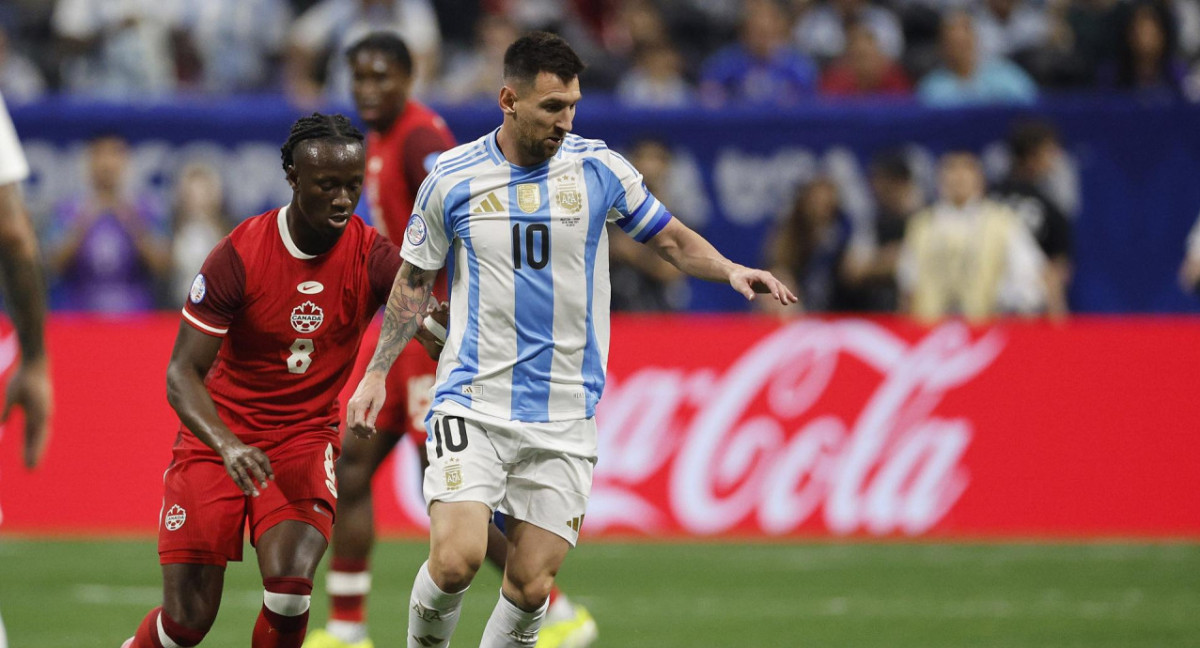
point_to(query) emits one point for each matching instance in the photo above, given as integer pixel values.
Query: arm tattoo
(402, 318)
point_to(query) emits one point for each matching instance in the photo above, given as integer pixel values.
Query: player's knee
(286, 596)
(529, 592)
(185, 626)
(451, 569)
(353, 479)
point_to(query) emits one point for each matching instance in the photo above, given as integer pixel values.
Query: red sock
(147, 633)
(348, 583)
(275, 630)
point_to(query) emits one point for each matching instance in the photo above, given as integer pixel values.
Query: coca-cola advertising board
(737, 426)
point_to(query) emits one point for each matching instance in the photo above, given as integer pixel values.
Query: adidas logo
(575, 523)
(429, 640)
(489, 205)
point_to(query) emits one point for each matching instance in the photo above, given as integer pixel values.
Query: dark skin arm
(191, 359)
(402, 318)
(21, 280)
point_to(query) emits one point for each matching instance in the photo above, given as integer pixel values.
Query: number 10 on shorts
(451, 430)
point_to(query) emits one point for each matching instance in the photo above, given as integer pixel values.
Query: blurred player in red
(270, 330)
(404, 138)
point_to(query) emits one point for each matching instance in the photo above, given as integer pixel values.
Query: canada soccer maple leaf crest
(307, 317)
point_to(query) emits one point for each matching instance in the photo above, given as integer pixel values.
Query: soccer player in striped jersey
(519, 215)
(402, 135)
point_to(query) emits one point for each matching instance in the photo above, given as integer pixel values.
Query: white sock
(432, 613)
(3, 637)
(512, 627)
(350, 632)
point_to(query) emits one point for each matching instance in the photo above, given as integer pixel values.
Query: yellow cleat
(578, 631)
(321, 638)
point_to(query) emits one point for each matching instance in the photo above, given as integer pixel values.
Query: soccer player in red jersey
(270, 330)
(403, 139)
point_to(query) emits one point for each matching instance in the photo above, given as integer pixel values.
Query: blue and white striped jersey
(527, 257)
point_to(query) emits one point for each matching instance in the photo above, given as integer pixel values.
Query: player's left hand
(30, 390)
(750, 281)
(432, 341)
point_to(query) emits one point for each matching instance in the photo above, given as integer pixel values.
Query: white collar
(286, 235)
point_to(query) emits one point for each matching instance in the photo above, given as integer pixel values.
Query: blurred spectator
(1189, 272)
(656, 80)
(1009, 27)
(1146, 60)
(320, 36)
(823, 33)
(806, 249)
(869, 269)
(966, 255)
(478, 74)
(107, 250)
(198, 222)
(761, 67)
(118, 49)
(20, 79)
(641, 280)
(236, 45)
(1095, 27)
(965, 79)
(1035, 151)
(864, 69)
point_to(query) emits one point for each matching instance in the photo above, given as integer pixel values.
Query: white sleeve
(426, 240)
(13, 166)
(1023, 289)
(634, 209)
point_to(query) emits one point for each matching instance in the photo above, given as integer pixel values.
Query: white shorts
(540, 473)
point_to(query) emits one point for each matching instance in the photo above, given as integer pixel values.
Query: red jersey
(397, 163)
(292, 323)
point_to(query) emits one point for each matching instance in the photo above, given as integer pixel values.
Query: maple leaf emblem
(307, 317)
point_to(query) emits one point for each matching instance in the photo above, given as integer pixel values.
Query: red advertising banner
(744, 427)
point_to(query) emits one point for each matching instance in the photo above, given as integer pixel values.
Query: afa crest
(454, 477)
(570, 200)
(529, 197)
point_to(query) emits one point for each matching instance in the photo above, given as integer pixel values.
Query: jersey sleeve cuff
(422, 263)
(651, 224)
(201, 326)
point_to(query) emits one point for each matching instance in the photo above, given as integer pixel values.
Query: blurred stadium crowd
(648, 52)
(110, 251)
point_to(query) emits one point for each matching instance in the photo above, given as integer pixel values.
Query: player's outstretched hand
(248, 466)
(432, 333)
(30, 390)
(364, 405)
(750, 281)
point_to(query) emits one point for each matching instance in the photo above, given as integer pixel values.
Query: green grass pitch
(92, 594)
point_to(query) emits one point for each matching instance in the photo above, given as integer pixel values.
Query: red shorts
(409, 387)
(204, 513)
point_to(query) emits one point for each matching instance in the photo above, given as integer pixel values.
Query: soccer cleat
(322, 638)
(577, 631)
(128, 642)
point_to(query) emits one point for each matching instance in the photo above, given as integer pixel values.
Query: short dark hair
(893, 165)
(318, 126)
(539, 52)
(388, 43)
(1029, 136)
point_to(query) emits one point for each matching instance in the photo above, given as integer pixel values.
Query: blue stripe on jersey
(534, 297)
(492, 147)
(468, 354)
(593, 369)
(444, 169)
(658, 221)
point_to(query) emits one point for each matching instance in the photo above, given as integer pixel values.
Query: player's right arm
(191, 359)
(406, 309)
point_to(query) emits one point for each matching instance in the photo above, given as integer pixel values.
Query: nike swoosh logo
(310, 287)
(318, 509)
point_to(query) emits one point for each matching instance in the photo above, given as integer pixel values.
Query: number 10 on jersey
(536, 245)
